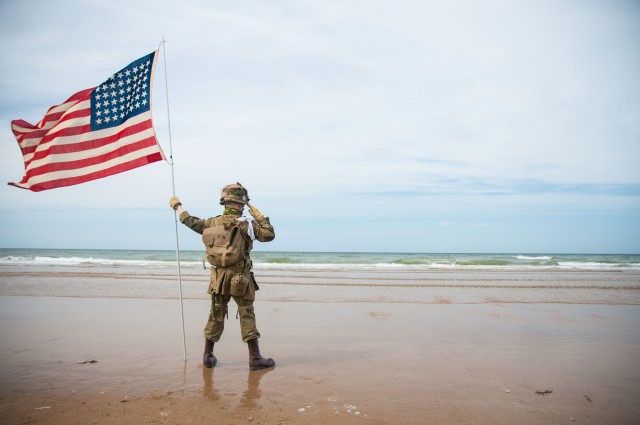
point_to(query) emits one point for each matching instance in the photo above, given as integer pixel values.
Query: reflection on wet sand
(253, 393)
(250, 396)
(208, 391)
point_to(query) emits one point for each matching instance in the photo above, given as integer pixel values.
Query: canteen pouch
(239, 284)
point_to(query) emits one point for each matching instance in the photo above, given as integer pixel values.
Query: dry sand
(79, 360)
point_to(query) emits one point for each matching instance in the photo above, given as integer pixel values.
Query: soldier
(231, 281)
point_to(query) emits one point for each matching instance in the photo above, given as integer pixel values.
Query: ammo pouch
(225, 245)
(239, 285)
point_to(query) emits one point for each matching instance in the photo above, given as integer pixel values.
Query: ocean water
(331, 277)
(356, 261)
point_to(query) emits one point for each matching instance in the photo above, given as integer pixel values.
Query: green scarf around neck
(231, 211)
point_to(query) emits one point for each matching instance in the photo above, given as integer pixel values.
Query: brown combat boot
(208, 359)
(256, 361)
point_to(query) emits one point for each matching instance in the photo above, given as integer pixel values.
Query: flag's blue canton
(124, 95)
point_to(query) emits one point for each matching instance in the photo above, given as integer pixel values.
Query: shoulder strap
(246, 237)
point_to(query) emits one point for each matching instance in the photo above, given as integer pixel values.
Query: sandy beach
(97, 346)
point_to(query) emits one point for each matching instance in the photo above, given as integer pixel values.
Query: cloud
(324, 107)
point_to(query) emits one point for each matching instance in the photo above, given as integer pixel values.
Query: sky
(367, 125)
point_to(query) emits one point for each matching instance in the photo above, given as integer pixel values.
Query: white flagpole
(175, 214)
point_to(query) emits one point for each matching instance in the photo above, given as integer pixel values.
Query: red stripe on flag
(49, 116)
(52, 184)
(83, 145)
(44, 132)
(90, 144)
(67, 132)
(88, 162)
(71, 131)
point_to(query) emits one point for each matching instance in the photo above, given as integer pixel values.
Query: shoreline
(616, 287)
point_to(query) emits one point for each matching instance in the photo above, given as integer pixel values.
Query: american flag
(95, 133)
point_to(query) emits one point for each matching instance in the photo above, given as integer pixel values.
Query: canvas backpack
(225, 244)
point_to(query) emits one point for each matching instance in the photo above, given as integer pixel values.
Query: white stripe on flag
(94, 135)
(87, 170)
(90, 153)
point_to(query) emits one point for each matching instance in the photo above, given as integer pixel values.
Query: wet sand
(81, 358)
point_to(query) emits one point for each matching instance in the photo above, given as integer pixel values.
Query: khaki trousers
(220, 310)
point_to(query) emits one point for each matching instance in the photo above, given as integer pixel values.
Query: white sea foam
(589, 265)
(91, 261)
(528, 257)
(416, 267)
(324, 261)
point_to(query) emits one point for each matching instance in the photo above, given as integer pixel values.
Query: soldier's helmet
(234, 192)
